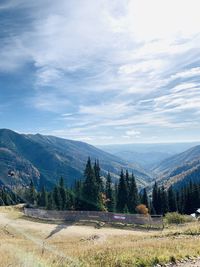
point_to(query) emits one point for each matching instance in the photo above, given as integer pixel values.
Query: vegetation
(185, 201)
(27, 243)
(97, 193)
(177, 218)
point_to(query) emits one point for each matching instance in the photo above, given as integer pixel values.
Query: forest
(98, 193)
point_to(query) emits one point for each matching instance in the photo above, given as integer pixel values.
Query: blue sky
(101, 71)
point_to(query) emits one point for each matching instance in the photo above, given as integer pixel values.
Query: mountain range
(44, 159)
(169, 164)
(180, 169)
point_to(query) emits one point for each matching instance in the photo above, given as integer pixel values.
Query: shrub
(142, 209)
(177, 218)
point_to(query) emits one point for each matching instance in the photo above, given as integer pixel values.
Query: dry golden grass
(29, 243)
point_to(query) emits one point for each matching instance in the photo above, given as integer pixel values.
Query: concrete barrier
(107, 217)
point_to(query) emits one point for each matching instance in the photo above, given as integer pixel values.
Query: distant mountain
(175, 161)
(182, 175)
(180, 169)
(147, 155)
(45, 158)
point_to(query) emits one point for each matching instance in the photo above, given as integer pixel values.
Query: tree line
(184, 201)
(97, 193)
(93, 193)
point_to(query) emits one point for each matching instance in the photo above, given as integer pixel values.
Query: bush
(177, 218)
(142, 209)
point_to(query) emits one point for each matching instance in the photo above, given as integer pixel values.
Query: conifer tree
(133, 197)
(78, 195)
(109, 194)
(172, 200)
(122, 193)
(50, 202)
(32, 195)
(57, 198)
(90, 190)
(144, 198)
(164, 201)
(98, 176)
(42, 198)
(62, 193)
(127, 178)
(155, 205)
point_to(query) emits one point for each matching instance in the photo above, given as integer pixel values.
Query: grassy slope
(28, 243)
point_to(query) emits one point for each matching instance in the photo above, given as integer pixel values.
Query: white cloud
(105, 64)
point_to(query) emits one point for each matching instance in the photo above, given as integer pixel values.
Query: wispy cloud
(107, 70)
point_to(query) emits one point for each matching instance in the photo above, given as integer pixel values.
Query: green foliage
(175, 218)
(31, 194)
(133, 197)
(90, 188)
(122, 193)
(110, 201)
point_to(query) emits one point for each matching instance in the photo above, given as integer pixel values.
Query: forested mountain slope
(45, 158)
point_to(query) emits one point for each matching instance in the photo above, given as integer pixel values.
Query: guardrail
(107, 217)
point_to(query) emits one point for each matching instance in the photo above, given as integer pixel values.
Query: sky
(101, 71)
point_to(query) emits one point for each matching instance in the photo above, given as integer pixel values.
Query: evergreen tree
(32, 195)
(133, 197)
(122, 193)
(90, 190)
(127, 178)
(50, 202)
(62, 193)
(164, 201)
(78, 195)
(144, 198)
(98, 176)
(172, 200)
(42, 198)
(155, 205)
(109, 194)
(57, 198)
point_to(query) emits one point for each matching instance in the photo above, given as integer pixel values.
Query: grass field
(32, 243)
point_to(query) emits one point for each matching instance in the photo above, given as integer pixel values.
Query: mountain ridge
(45, 158)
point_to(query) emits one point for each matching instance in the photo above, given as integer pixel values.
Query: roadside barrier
(107, 217)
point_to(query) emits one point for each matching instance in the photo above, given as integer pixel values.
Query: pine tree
(98, 176)
(32, 195)
(57, 198)
(109, 194)
(90, 190)
(155, 205)
(133, 197)
(78, 195)
(42, 198)
(50, 202)
(62, 193)
(122, 193)
(127, 178)
(172, 200)
(164, 201)
(144, 198)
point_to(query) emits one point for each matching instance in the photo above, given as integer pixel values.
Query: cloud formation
(119, 69)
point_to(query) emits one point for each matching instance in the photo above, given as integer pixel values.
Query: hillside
(175, 161)
(180, 169)
(45, 158)
(182, 175)
(147, 155)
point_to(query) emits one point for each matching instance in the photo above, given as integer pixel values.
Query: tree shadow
(57, 229)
